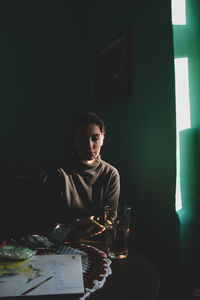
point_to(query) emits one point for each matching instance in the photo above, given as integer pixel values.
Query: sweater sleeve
(112, 195)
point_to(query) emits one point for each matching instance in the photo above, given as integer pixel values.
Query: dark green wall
(39, 77)
(141, 134)
(47, 74)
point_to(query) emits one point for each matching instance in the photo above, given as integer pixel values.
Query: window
(181, 87)
(178, 12)
(182, 114)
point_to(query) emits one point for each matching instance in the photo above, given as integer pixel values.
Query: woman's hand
(85, 228)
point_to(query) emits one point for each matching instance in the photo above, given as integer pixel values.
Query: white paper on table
(62, 272)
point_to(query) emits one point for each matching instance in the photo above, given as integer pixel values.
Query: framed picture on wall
(112, 80)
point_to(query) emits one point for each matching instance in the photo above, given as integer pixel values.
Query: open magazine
(42, 275)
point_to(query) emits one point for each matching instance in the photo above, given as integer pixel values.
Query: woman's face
(88, 141)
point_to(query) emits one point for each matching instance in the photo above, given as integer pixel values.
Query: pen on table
(37, 285)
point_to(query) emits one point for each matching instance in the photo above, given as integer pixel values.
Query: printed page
(42, 275)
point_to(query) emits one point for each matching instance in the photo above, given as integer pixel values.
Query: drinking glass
(117, 236)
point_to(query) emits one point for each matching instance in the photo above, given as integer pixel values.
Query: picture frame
(112, 80)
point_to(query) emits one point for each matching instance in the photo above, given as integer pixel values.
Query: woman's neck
(90, 161)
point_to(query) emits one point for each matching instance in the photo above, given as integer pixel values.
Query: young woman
(85, 184)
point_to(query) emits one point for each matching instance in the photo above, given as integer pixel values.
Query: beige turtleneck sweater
(78, 189)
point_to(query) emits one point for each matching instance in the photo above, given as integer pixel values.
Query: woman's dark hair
(84, 119)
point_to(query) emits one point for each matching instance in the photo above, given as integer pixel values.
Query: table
(135, 277)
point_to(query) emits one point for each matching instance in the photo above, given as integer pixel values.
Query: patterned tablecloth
(95, 265)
